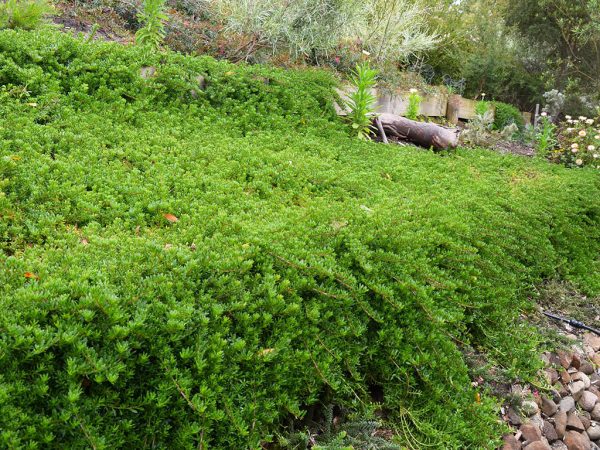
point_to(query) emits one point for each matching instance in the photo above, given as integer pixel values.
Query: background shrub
(188, 267)
(505, 115)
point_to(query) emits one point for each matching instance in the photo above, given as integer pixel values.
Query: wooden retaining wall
(453, 107)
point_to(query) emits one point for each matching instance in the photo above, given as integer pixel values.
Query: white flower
(579, 162)
(582, 118)
(574, 145)
(582, 133)
(597, 137)
(570, 130)
(596, 155)
(544, 114)
(574, 150)
(568, 117)
(591, 148)
(589, 121)
(570, 121)
(413, 91)
(366, 53)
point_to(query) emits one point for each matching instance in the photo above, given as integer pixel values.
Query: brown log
(420, 133)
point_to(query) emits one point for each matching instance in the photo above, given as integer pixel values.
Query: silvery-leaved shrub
(555, 101)
(391, 30)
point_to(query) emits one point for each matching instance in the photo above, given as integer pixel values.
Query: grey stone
(577, 441)
(147, 72)
(549, 432)
(595, 413)
(593, 340)
(567, 404)
(511, 443)
(530, 432)
(537, 420)
(538, 445)
(565, 358)
(576, 388)
(580, 376)
(587, 401)
(574, 423)
(560, 423)
(551, 375)
(548, 407)
(587, 368)
(594, 431)
(514, 417)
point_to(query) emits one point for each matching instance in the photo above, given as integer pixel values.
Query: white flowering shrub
(579, 140)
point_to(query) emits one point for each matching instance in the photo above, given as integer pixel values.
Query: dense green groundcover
(303, 266)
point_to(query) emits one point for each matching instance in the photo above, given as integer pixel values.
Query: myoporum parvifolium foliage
(190, 267)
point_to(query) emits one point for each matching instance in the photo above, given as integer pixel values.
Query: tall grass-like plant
(24, 14)
(153, 17)
(361, 103)
(414, 105)
(545, 139)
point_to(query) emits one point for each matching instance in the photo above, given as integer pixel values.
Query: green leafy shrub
(188, 267)
(24, 14)
(506, 115)
(482, 107)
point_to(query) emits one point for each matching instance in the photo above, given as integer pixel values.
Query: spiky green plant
(153, 17)
(414, 104)
(24, 14)
(361, 103)
(545, 139)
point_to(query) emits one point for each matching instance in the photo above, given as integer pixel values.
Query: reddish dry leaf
(171, 218)
(31, 275)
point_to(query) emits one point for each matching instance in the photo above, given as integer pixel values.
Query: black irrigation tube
(573, 323)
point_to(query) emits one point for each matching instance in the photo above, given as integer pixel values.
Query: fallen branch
(421, 133)
(381, 130)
